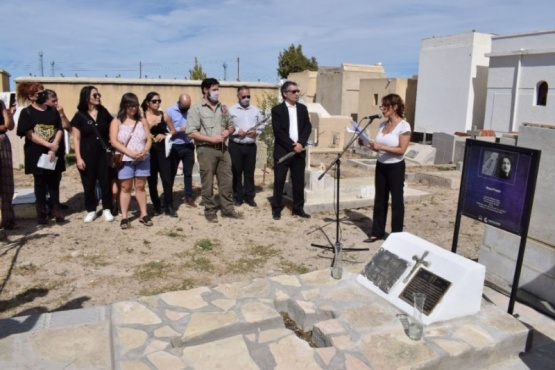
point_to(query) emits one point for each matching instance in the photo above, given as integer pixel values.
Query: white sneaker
(107, 215)
(90, 217)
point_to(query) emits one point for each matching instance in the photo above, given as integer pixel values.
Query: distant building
(521, 80)
(452, 83)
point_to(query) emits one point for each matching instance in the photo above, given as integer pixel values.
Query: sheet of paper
(356, 129)
(44, 162)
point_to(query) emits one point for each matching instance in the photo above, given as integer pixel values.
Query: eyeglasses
(385, 106)
(294, 91)
(156, 101)
(96, 95)
(246, 97)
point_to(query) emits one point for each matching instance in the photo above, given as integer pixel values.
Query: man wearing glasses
(292, 127)
(183, 149)
(242, 146)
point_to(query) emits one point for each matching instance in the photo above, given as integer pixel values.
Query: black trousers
(160, 164)
(97, 170)
(389, 178)
(47, 182)
(297, 165)
(243, 163)
(184, 153)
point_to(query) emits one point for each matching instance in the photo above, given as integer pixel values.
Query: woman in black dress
(90, 153)
(160, 124)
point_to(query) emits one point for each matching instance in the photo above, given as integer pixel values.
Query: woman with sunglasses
(130, 136)
(160, 124)
(391, 144)
(42, 127)
(90, 132)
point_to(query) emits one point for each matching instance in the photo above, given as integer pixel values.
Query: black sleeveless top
(161, 128)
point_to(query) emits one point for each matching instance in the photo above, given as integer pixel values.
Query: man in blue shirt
(183, 149)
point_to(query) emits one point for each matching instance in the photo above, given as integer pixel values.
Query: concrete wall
(452, 78)
(517, 63)
(338, 87)
(373, 90)
(307, 84)
(113, 88)
(4, 80)
(499, 248)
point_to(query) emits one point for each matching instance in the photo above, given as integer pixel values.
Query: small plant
(146, 242)
(27, 269)
(152, 270)
(200, 264)
(204, 244)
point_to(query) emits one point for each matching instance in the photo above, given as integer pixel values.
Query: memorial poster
(497, 182)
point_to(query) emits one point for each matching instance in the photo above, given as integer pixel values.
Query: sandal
(124, 224)
(146, 221)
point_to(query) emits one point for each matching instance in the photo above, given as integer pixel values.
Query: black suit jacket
(280, 125)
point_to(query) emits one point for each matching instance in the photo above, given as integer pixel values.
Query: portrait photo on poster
(499, 164)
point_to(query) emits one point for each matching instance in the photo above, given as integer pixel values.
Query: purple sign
(496, 182)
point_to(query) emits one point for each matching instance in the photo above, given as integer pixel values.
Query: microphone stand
(337, 247)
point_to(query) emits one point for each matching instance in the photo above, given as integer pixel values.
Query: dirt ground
(76, 265)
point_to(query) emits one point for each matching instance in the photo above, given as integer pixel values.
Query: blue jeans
(184, 153)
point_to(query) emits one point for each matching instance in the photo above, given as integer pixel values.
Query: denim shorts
(133, 169)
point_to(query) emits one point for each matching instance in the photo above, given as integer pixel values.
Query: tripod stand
(338, 247)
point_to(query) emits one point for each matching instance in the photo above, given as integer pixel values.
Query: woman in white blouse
(391, 144)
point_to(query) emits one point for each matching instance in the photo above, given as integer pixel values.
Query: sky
(161, 38)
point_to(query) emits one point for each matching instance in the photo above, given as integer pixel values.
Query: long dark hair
(85, 98)
(149, 96)
(128, 99)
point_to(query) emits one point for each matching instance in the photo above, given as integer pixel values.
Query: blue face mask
(245, 102)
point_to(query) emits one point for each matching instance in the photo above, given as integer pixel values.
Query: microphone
(373, 117)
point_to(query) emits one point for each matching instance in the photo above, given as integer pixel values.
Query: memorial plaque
(428, 283)
(385, 269)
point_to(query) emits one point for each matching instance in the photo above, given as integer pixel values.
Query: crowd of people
(118, 155)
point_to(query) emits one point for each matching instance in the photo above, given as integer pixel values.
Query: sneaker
(233, 214)
(90, 217)
(211, 217)
(107, 214)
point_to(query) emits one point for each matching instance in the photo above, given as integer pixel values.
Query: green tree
(267, 136)
(293, 60)
(197, 73)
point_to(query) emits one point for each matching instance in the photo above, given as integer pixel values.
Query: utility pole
(140, 69)
(52, 65)
(41, 65)
(238, 79)
(225, 71)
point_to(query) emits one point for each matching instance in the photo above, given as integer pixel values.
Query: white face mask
(245, 102)
(214, 95)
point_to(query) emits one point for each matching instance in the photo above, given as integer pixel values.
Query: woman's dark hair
(394, 99)
(26, 89)
(127, 100)
(85, 98)
(149, 96)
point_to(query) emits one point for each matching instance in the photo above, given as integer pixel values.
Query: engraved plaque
(428, 283)
(384, 269)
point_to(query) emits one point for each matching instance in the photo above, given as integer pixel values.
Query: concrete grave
(406, 263)
(420, 154)
(24, 203)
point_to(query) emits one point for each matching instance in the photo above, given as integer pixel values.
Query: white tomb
(465, 278)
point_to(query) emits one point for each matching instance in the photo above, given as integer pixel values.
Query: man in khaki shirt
(210, 125)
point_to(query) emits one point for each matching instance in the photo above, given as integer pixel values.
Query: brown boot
(42, 216)
(57, 211)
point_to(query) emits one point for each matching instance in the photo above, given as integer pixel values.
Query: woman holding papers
(44, 156)
(160, 125)
(391, 144)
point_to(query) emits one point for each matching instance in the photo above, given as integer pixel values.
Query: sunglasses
(294, 91)
(246, 97)
(156, 101)
(96, 95)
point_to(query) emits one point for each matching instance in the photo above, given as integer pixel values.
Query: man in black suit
(292, 128)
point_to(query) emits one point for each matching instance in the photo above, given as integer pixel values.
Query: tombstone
(24, 203)
(445, 147)
(406, 263)
(420, 154)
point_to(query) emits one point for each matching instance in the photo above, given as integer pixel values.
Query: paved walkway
(239, 326)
